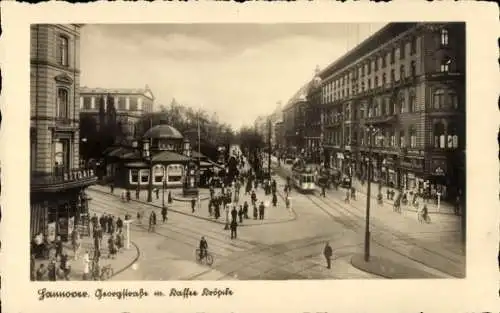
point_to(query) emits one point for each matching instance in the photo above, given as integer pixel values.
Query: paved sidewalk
(123, 260)
(272, 215)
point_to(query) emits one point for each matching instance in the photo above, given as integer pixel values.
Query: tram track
(355, 222)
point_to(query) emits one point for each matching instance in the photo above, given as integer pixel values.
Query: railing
(61, 175)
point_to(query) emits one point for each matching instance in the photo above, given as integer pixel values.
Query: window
(133, 104)
(393, 76)
(376, 81)
(402, 139)
(62, 50)
(402, 104)
(362, 86)
(370, 109)
(144, 176)
(369, 67)
(383, 79)
(369, 83)
(61, 155)
(134, 176)
(402, 52)
(413, 137)
(444, 37)
(384, 61)
(375, 64)
(388, 108)
(413, 69)
(62, 105)
(347, 113)
(453, 98)
(438, 99)
(122, 105)
(393, 56)
(438, 133)
(362, 70)
(413, 102)
(87, 103)
(452, 138)
(402, 72)
(413, 48)
(158, 174)
(377, 108)
(445, 65)
(393, 138)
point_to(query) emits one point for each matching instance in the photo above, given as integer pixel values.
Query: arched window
(438, 134)
(376, 81)
(392, 134)
(402, 72)
(376, 109)
(413, 102)
(438, 99)
(393, 76)
(444, 37)
(62, 50)
(370, 109)
(62, 103)
(452, 136)
(413, 136)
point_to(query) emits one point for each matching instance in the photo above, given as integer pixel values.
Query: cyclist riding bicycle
(203, 247)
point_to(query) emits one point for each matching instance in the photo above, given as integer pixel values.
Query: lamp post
(146, 152)
(371, 131)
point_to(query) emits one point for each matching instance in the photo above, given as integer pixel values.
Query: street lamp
(371, 131)
(146, 154)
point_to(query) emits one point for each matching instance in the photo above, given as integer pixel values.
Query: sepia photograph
(247, 151)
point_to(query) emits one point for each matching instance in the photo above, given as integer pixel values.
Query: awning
(137, 165)
(169, 156)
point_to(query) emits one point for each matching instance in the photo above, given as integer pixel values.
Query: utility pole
(269, 155)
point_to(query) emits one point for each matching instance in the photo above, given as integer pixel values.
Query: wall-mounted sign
(439, 171)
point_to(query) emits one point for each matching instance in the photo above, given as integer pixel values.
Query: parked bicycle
(207, 258)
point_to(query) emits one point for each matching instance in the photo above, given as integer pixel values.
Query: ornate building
(407, 82)
(130, 105)
(58, 200)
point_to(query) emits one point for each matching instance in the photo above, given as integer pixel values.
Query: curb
(179, 199)
(200, 217)
(138, 255)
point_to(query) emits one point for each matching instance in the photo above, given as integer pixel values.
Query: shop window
(438, 134)
(134, 176)
(413, 137)
(444, 37)
(402, 73)
(87, 103)
(158, 174)
(144, 176)
(62, 103)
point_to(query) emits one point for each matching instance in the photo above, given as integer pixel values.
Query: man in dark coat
(327, 252)
(234, 226)
(241, 213)
(245, 209)
(164, 214)
(193, 204)
(234, 213)
(102, 221)
(261, 211)
(119, 224)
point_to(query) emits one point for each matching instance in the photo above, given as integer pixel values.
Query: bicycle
(208, 258)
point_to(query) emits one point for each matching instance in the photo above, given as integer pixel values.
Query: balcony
(62, 179)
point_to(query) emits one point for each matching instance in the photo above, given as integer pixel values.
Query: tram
(304, 178)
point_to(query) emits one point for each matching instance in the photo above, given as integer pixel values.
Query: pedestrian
(169, 198)
(59, 246)
(261, 210)
(94, 221)
(109, 223)
(119, 224)
(327, 252)
(193, 204)
(164, 214)
(51, 270)
(255, 212)
(139, 217)
(137, 192)
(65, 266)
(102, 221)
(287, 202)
(234, 226)
(346, 200)
(111, 188)
(41, 272)
(241, 213)
(234, 213)
(245, 210)
(128, 195)
(75, 242)
(323, 191)
(275, 199)
(86, 265)
(111, 248)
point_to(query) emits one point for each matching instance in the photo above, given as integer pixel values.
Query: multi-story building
(294, 121)
(130, 105)
(406, 83)
(58, 200)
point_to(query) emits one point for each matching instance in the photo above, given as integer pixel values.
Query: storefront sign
(411, 165)
(439, 172)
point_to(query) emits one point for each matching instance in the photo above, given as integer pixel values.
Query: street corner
(124, 260)
(387, 268)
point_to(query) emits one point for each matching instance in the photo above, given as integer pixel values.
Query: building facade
(294, 122)
(58, 181)
(130, 105)
(398, 100)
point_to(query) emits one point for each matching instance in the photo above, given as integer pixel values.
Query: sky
(239, 71)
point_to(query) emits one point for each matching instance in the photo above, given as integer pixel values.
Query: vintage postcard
(239, 158)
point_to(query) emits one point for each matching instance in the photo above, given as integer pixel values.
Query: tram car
(303, 179)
